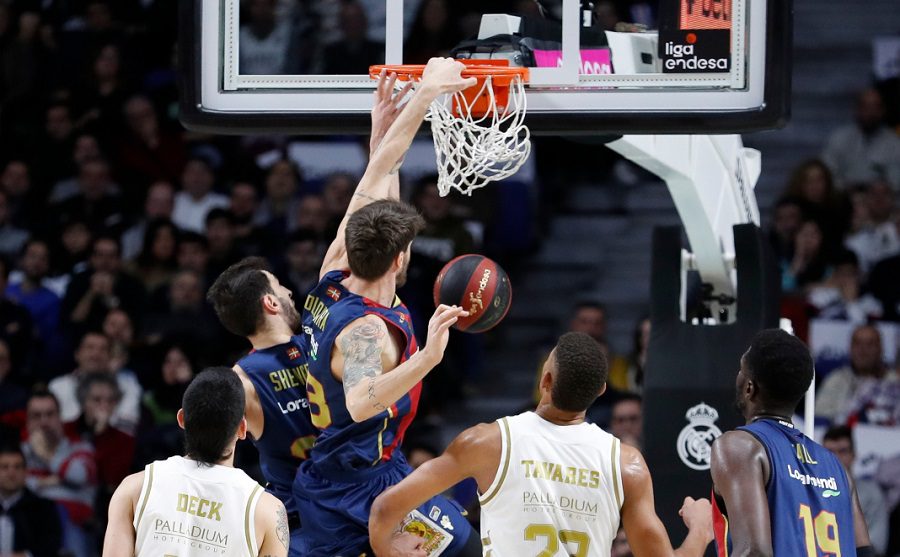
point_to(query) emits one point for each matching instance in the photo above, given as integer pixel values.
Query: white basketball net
(474, 150)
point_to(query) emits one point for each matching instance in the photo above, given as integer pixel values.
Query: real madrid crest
(695, 440)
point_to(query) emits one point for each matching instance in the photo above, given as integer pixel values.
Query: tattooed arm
(272, 534)
(365, 354)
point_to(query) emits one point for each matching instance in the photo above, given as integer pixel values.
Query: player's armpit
(739, 468)
(120, 535)
(273, 535)
(474, 452)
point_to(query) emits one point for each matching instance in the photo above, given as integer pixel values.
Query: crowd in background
(114, 221)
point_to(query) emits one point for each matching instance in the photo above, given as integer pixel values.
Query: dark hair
(845, 257)
(838, 432)
(781, 365)
(628, 397)
(86, 382)
(581, 371)
(236, 295)
(302, 235)
(191, 237)
(146, 257)
(220, 214)
(588, 304)
(798, 176)
(107, 238)
(41, 391)
(11, 448)
(377, 233)
(213, 407)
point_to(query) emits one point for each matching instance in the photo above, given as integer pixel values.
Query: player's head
(212, 415)
(575, 373)
(378, 239)
(775, 373)
(247, 297)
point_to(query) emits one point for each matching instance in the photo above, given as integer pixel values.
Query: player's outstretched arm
(388, 105)
(368, 389)
(271, 523)
(646, 533)
(120, 534)
(442, 75)
(860, 528)
(475, 452)
(739, 468)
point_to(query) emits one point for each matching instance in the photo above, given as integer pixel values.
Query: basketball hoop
(479, 133)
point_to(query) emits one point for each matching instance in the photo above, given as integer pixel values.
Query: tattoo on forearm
(361, 348)
(376, 404)
(281, 529)
(365, 196)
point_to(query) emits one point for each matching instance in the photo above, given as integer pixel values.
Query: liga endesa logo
(696, 55)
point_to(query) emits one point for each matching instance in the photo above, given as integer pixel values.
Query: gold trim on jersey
(614, 460)
(381, 441)
(247, 519)
(146, 496)
(487, 498)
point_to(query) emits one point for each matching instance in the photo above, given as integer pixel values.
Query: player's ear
(602, 390)
(180, 418)
(242, 429)
(270, 304)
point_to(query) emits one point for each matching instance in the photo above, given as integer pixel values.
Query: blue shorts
(334, 511)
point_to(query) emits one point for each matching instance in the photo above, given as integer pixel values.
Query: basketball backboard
(702, 66)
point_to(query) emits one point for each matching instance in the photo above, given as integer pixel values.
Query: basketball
(478, 285)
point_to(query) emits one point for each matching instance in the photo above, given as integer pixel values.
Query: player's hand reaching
(443, 75)
(404, 544)
(439, 331)
(697, 516)
(388, 105)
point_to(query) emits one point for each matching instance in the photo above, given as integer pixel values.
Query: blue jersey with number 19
(810, 500)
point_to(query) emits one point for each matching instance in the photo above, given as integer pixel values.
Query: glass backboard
(605, 66)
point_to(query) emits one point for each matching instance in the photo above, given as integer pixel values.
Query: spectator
(878, 238)
(841, 295)
(30, 524)
(22, 202)
(160, 436)
(99, 395)
(85, 149)
(42, 303)
(812, 184)
(102, 95)
(264, 39)
(220, 231)
(336, 194)
(12, 395)
(94, 355)
(96, 203)
(55, 146)
(589, 318)
(866, 367)
(875, 402)
(100, 288)
(606, 14)
(302, 263)
(788, 216)
(159, 204)
(354, 52)
(627, 421)
(193, 255)
(839, 440)
(16, 327)
(867, 149)
(809, 265)
(244, 204)
(147, 152)
(628, 374)
(196, 199)
(184, 315)
(313, 215)
(279, 207)
(119, 329)
(884, 286)
(26, 59)
(157, 261)
(59, 468)
(12, 238)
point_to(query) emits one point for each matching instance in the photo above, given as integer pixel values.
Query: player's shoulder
(363, 327)
(479, 436)
(735, 450)
(131, 486)
(268, 503)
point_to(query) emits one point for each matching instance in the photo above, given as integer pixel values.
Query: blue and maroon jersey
(810, 501)
(344, 445)
(278, 374)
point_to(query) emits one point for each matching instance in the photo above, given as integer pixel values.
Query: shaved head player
(551, 484)
(786, 495)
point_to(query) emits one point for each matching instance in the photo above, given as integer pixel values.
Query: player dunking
(250, 302)
(364, 368)
(199, 504)
(550, 483)
(787, 495)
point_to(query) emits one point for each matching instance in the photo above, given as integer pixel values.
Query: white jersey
(557, 492)
(188, 510)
